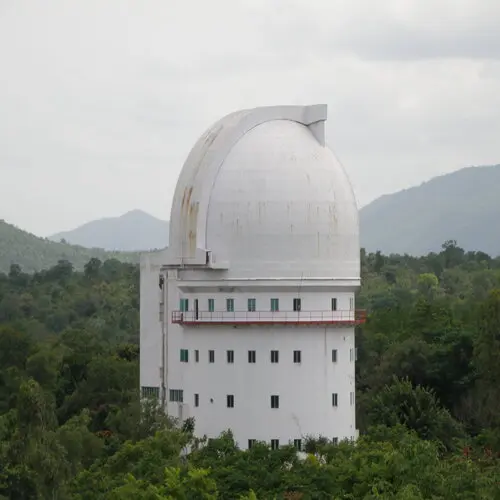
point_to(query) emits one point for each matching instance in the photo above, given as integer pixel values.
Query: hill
(33, 253)
(133, 231)
(462, 206)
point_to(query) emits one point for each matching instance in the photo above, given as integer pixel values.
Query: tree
(486, 349)
(415, 407)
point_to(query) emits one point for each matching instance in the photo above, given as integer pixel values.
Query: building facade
(248, 318)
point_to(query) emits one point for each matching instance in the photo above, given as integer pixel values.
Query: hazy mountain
(33, 253)
(462, 206)
(135, 230)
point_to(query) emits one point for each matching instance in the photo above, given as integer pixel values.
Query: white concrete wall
(310, 301)
(305, 389)
(150, 325)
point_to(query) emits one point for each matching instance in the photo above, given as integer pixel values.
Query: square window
(334, 304)
(275, 401)
(230, 356)
(211, 356)
(176, 395)
(334, 355)
(197, 400)
(150, 392)
(230, 305)
(251, 356)
(297, 443)
(275, 444)
(335, 399)
(211, 305)
(184, 305)
(274, 356)
(297, 355)
(275, 305)
(252, 303)
(296, 304)
(184, 355)
(251, 442)
(197, 356)
(230, 401)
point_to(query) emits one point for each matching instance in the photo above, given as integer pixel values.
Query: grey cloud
(102, 101)
(439, 29)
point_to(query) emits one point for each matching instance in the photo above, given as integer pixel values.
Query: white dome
(262, 193)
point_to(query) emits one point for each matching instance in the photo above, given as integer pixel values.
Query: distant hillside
(462, 206)
(33, 253)
(132, 231)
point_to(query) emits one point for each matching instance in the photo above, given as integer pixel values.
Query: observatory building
(247, 319)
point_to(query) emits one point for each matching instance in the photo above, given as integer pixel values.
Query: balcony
(302, 318)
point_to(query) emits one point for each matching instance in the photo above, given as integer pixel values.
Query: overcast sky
(101, 100)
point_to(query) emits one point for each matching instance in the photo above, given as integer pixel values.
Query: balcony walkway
(302, 318)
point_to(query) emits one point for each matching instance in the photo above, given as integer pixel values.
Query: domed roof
(267, 199)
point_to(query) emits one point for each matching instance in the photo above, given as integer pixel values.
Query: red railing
(341, 318)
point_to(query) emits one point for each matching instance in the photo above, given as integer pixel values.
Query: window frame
(183, 304)
(196, 400)
(230, 400)
(148, 391)
(297, 304)
(211, 305)
(230, 356)
(297, 357)
(334, 304)
(184, 355)
(335, 355)
(252, 356)
(211, 356)
(176, 395)
(251, 304)
(335, 399)
(230, 305)
(275, 356)
(275, 304)
(275, 401)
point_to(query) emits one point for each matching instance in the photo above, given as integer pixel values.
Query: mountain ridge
(34, 253)
(463, 206)
(457, 206)
(133, 231)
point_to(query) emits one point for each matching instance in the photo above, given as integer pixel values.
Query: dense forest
(72, 426)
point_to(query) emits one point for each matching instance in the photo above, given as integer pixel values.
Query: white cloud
(101, 101)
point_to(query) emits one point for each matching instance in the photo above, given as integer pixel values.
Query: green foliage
(61, 301)
(415, 407)
(72, 425)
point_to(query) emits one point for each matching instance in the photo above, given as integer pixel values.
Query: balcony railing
(339, 318)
